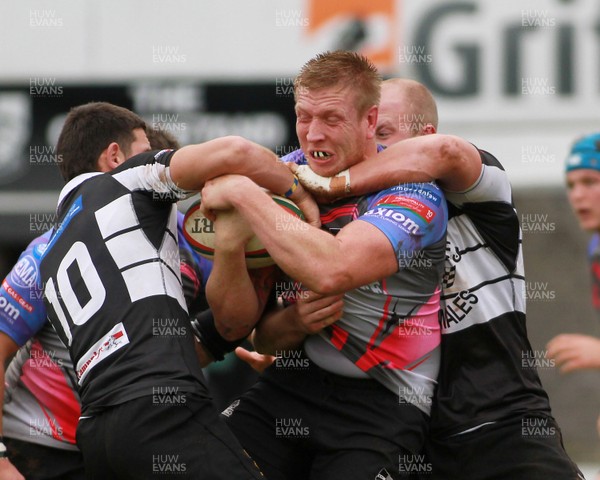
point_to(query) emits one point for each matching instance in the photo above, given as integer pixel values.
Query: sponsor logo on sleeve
(411, 204)
(394, 216)
(8, 310)
(18, 298)
(25, 273)
(423, 190)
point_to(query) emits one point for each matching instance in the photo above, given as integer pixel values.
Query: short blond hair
(346, 70)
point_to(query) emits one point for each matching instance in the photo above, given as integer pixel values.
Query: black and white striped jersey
(112, 284)
(485, 375)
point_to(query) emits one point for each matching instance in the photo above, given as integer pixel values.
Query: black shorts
(523, 448)
(304, 422)
(152, 437)
(39, 462)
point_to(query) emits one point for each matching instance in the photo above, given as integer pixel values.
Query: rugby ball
(199, 231)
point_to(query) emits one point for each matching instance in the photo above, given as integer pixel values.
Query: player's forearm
(451, 161)
(193, 165)
(231, 295)
(445, 158)
(307, 254)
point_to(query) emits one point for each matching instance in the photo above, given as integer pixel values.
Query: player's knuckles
(206, 211)
(334, 307)
(303, 310)
(312, 309)
(326, 302)
(312, 317)
(339, 304)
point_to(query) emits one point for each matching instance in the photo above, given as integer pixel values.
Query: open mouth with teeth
(320, 154)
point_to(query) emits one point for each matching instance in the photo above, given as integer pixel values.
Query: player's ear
(428, 129)
(110, 158)
(371, 117)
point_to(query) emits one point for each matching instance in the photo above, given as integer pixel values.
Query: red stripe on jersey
(424, 359)
(188, 272)
(596, 285)
(411, 341)
(48, 383)
(339, 337)
(384, 316)
(346, 210)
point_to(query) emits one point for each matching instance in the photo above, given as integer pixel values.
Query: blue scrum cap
(585, 153)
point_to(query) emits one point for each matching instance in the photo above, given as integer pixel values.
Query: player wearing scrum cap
(574, 351)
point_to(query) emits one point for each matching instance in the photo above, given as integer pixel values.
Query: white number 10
(78, 253)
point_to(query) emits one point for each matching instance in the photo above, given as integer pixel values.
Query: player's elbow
(233, 329)
(459, 163)
(235, 151)
(333, 282)
(450, 150)
(240, 145)
(238, 333)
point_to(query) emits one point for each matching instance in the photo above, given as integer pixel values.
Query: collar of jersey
(73, 184)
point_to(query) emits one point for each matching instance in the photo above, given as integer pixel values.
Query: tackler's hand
(314, 312)
(216, 194)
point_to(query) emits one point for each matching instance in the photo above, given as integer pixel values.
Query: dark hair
(161, 139)
(344, 69)
(88, 130)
